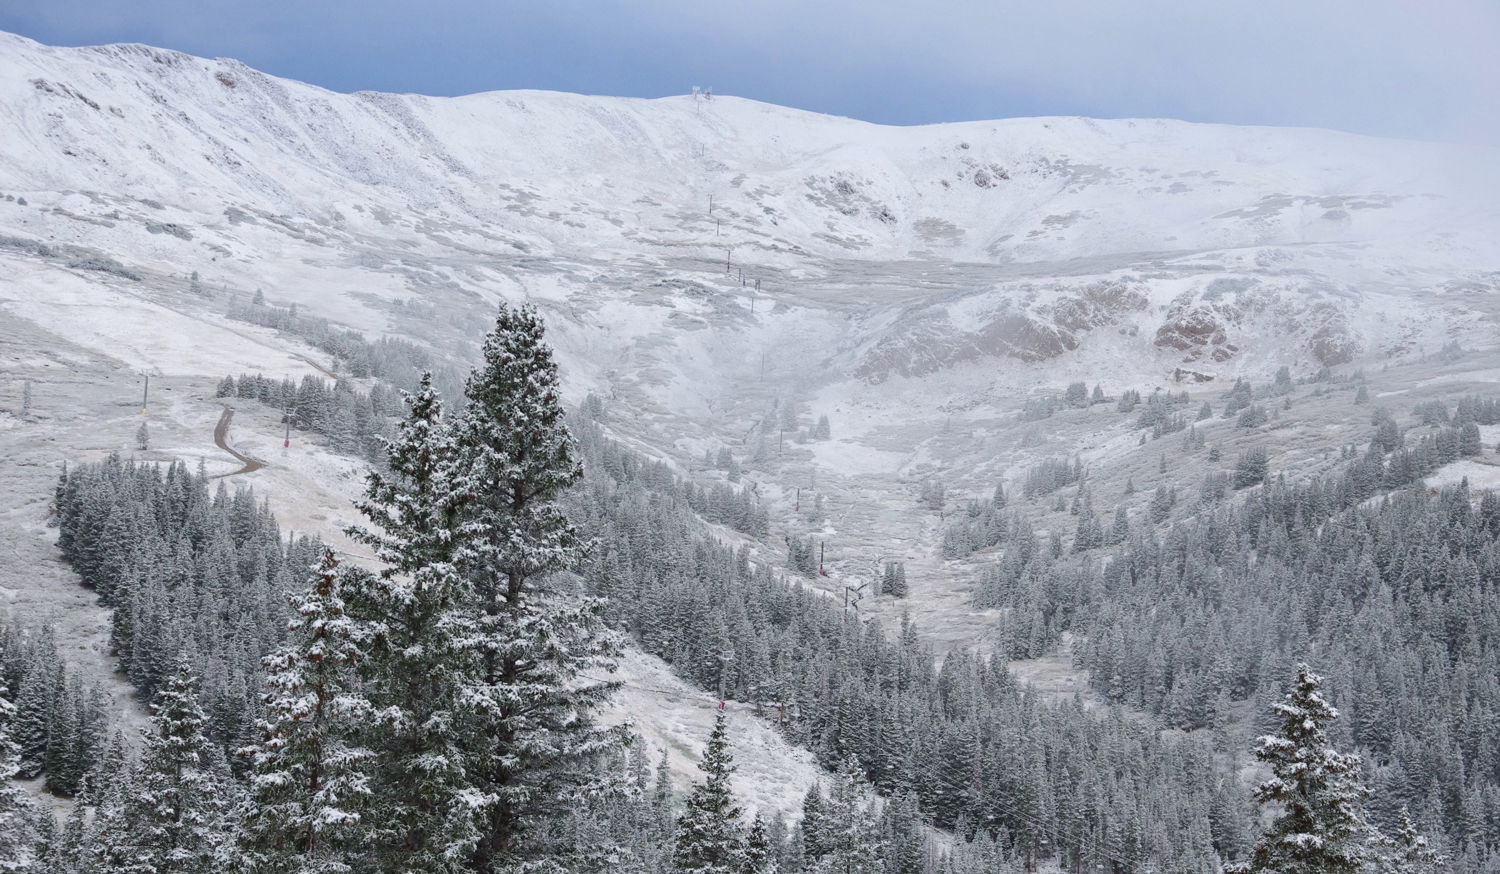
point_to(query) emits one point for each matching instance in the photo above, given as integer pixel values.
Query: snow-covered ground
(1481, 475)
(771, 775)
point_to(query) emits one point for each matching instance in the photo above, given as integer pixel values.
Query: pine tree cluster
(59, 726)
(355, 422)
(398, 362)
(1050, 475)
(188, 573)
(973, 748)
(983, 524)
(434, 716)
(1399, 595)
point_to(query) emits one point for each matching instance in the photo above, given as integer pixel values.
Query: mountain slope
(1196, 241)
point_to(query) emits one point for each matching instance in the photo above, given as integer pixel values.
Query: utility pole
(821, 547)
(797, 508)
(286, 441)
(710, 204)
(726, 260)
(716, 228)
(146, 394)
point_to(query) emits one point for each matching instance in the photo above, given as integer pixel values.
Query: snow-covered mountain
(703, 264)
(1154, 244)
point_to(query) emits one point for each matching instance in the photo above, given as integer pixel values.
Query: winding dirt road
(221, 439)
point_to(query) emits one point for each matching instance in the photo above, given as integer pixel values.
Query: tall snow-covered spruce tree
(307, 782)
(847, 838)
(1321, 828)
(478, 645)
(18, 833)
(531, 738)
(175, 810)
(711, 837)
(412, 619)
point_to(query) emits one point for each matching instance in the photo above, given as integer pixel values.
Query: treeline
(355, 422)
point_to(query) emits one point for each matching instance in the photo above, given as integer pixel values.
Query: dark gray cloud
(1391, 67)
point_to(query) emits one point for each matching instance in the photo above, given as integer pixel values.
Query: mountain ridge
(1017, 240)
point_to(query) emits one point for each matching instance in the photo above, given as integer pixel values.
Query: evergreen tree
(789, 416)
(1407, 851)
(760, 849)
(710, 836)
(174, 811)
(1283, 383)
(1162, 502)
(307, 779)
(70, 853)
(1120, 530)
(1469, 440)
(811, 827)
(529, 720)
(1251, 467)
(893, 581)
(411, 615)
(901, 835)
(849, 833)
(1321, 827)
(31, 725)
(18, 831)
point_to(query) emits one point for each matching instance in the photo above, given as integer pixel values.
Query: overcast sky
(1414, 68)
